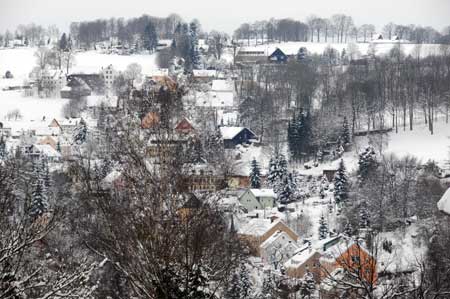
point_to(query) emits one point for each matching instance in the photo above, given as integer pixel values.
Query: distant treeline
(338, 28)
(126, 32)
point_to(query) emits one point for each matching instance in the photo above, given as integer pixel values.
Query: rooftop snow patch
(444, 202)
(230, 132)
(263, 193)
(221, 85)
(257, 227)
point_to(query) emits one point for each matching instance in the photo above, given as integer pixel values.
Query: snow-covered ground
(22, 60)
(421, 144)
(92, 62)
(30, 108)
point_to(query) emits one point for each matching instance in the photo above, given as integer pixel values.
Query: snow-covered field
(30, 108)
(92, 62)
(21, 61)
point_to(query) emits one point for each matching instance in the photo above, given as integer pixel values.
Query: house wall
(283, 246)
(367, 265)
(249, 201)
(311, 264)
(280, 226)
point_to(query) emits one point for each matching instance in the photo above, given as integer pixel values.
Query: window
(355, 259)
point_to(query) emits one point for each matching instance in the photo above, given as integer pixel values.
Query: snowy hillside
(291, 48)
(21, 61)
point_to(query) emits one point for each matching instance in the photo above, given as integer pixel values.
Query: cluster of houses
(51, 140)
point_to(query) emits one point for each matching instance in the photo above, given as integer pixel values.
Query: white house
(278, 248)
(109, 75)
(256, 199)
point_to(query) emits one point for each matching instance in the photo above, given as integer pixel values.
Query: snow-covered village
(227, 150)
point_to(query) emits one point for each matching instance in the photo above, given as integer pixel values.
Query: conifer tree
(255, 175)
(367, 163)
(341, 184)
(288, 189)
(364, 221)
(63, 43)
(240, 285)
(39, 203)
(58, 146)
(150, 37)
(80, 133)
(348, 230)
(323, 228)
(194, 53)
(345, 135)
(3, 152)
(309, 284)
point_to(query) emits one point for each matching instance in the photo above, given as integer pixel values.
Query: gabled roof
(444, 202)
(277, 52)
(47, 150)
(228, 133)
(184, 124)
(263, 193)
(279, 236)
(300, 257)
(222, 85)
(192, 201)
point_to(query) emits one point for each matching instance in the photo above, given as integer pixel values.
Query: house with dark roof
(278, 56)
(233, 136)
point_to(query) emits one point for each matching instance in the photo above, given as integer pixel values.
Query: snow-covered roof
(257, 227)
(205, 73)
(47, 150)
(47, 131)
(109, 180)
(226, 118)
(215, 99)
(263, 193)
(300, 258)
(279, 237)
(230, 132)
(444, 202)
(68, 121)
(222, 85)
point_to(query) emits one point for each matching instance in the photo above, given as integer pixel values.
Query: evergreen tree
(63, 44)
(364, 221)
(345, 135)
(58, 146)
(80, 133)
(348, 229)
(150, 37)
(240, 285)
(341, 184)
(309, 284)
(3, 152)
(282, 166)
(45, 174)
(323, 228)
(39, 202)
(255, 175)
(194, 53)
(273, 171)
(288, 189)
(269, 288)
(300, 135)
(367, 163)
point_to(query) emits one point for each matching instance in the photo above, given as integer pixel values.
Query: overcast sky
(224, 15)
